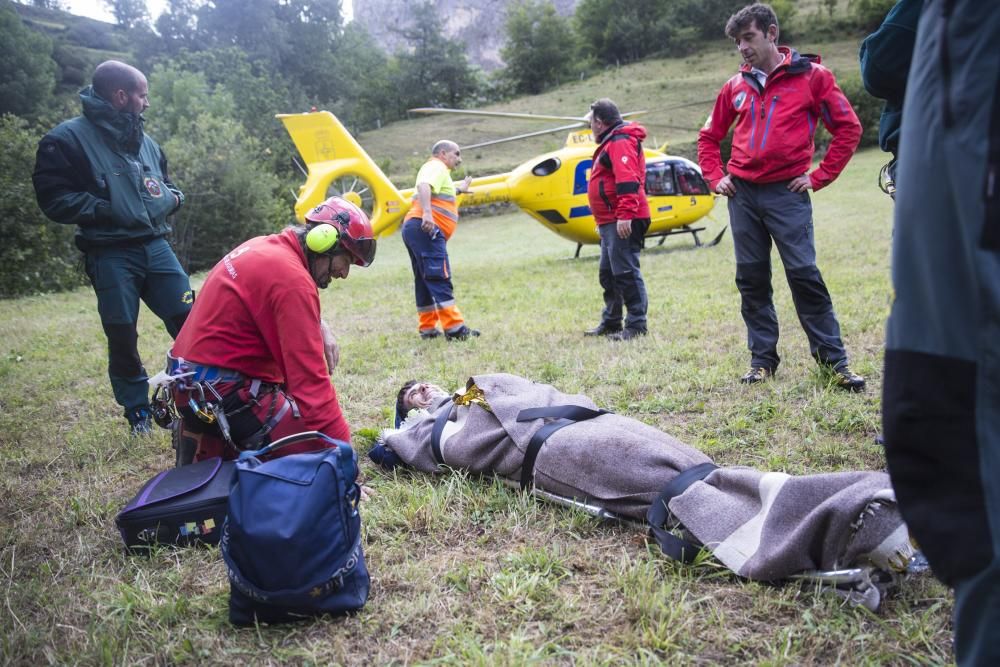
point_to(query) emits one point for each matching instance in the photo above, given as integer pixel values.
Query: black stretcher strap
(438, 429)
(564, 415)
(671, 545)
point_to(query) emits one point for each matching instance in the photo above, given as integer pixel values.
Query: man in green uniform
(101, 172)
(941, 389)
(885, 57)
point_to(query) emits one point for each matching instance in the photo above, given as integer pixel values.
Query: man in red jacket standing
(617, 197)
(776, 101)
(252, 363)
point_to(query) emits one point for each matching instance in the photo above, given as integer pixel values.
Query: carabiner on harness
(885, 180)
(201, 408)
(162, 407)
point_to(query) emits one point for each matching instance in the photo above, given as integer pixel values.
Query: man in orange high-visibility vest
(430, 223)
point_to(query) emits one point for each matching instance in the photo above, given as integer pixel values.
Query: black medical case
(180, 506)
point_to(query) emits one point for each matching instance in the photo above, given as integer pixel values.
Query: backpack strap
(675, 547)
(564, 415)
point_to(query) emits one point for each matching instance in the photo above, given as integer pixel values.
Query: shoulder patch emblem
(153, 187)
(739, 99)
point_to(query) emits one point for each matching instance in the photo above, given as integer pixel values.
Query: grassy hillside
(81, 43)
(465, 571)
(652, 85)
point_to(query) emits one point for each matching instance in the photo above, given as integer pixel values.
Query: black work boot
(627, 334)
(848, 379)
(757, 374)
(462, 333)
(603, 329)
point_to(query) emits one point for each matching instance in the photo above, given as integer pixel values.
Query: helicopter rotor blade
(673, 127)
(539, 133)
(497, 114)
(561, 128)
(579, 121)
(511, 114)
(683, 105)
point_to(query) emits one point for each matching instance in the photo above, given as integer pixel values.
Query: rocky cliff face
(478, 23)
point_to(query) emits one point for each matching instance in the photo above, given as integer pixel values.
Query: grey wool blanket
(765, 526)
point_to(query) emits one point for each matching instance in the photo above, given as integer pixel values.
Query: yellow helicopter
(551, 188)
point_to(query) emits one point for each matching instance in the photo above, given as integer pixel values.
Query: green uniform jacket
(885, 58)
(100, 171)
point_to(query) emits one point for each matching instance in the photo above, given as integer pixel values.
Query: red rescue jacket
(617, 187)
(258, 313)
(775, 126)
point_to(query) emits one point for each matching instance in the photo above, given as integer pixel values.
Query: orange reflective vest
(444, 203)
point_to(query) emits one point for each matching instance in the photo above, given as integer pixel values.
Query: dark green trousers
(122, 276)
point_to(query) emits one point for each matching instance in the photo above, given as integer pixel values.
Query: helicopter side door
(661, 192)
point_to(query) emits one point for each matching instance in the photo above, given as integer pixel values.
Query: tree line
(218, 71)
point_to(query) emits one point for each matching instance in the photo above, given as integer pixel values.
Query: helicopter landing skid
(686, 229)
(693, 231)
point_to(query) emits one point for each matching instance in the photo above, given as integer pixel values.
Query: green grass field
(464, 570)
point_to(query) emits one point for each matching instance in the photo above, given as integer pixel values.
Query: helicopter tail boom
(336, 164)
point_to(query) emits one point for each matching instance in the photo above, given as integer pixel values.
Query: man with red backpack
(776, 102)
(617, 196)
(253, 361)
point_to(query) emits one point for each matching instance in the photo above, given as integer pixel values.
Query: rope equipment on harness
(210, 406)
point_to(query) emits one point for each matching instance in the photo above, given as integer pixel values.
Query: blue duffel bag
(292, 537)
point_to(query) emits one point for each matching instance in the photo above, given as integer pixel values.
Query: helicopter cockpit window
(660, 179)
(546, 167)
(690, 181)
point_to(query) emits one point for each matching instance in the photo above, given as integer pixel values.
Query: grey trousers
(758, 214)
(621, 278)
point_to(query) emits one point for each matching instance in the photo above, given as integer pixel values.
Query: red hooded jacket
(617, 188)
(775, 126)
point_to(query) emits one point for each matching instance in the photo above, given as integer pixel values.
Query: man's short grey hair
(759, 13)
(114, 75)
(605, 111)
(442, 146)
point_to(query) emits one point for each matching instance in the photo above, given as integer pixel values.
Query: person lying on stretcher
(765, 526)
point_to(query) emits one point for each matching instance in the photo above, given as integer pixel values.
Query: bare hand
(800, 183)
(725, 186)
(464, 187)
(330, 348)
(367, 492)
(427, 223)
(624, 229)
